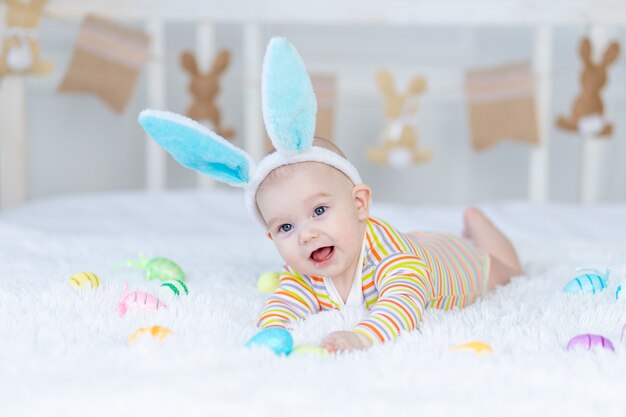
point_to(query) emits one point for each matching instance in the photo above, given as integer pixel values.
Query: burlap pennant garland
(107, 61)
(325, 87)
(501, 105)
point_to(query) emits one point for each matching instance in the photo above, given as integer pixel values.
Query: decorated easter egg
(309, 350)
(277, 339)
(174, 286)
(139, 300)
(268, 282)
(83, 279)
(476, 346)
(164, 269)
(157, 332)
(589, 342)
(592, 282)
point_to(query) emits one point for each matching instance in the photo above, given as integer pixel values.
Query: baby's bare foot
(480, 230)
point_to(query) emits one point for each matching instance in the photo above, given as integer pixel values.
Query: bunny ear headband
(289, 110)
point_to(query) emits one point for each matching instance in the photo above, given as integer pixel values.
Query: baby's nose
(307, 234)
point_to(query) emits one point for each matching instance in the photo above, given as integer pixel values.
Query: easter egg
(277, 339)
(476, 346)
(140, 300)
(309, 350)
(174, 286)
(81, 280)
(592, 283)
(157, 332)
(164, 269)
(268, 282)
(589, 341)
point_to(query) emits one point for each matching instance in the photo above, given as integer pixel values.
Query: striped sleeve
(404, 287)
(293, 300)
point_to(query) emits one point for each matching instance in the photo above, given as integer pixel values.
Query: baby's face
(316, 217)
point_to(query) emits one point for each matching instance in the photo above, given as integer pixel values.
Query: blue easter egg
(275, 338)
(590, 283)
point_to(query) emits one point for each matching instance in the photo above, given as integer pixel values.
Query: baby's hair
(326, 144)
(286, 170)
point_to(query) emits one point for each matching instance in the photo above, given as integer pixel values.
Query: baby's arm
(403, 287)
(293, 300)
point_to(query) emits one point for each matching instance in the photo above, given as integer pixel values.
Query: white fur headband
(289, 110)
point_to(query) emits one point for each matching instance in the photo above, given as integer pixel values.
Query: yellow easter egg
(157, 332)
(81, 280)
(309, 350)
(268, 282)
(476, 346)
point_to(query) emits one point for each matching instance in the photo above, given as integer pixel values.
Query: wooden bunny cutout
(20, 49)
(400, 145)
(587, 115)
(204, 88)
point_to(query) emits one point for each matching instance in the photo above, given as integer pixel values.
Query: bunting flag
(501, 105)
(107, 61)
(325, 87)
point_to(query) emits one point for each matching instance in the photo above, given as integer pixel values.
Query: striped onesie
(401, 274)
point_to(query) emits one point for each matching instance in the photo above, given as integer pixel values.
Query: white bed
(67, 353)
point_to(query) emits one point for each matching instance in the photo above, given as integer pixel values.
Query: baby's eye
(320, 210)
(285, 227)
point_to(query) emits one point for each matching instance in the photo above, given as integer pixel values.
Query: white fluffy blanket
(66, 353)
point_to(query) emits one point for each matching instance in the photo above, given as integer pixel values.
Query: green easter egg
(309, 350)
(268, 282)
(175, 286)
(164, 269)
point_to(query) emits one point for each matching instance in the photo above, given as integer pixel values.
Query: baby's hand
(343, 340)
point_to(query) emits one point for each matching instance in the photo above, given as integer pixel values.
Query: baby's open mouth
(322, 254)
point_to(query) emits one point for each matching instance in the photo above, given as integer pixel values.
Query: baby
(337, 255)
(315, 208)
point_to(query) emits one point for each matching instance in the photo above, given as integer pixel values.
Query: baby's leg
(499, 273)
(504, 261)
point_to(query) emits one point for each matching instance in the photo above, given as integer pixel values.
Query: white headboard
(253, 15)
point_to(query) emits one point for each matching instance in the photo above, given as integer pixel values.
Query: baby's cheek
(351, 244)
(288, 253)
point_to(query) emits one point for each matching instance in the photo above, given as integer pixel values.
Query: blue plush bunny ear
(198, 148)
(289, 104)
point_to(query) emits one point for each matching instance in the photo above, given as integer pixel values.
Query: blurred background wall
(76, 144)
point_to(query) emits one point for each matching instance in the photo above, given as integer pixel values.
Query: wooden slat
(596, 155)
(254, 132)
(13, 178)
(538, 169)
(156, 169)
(205, 52)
